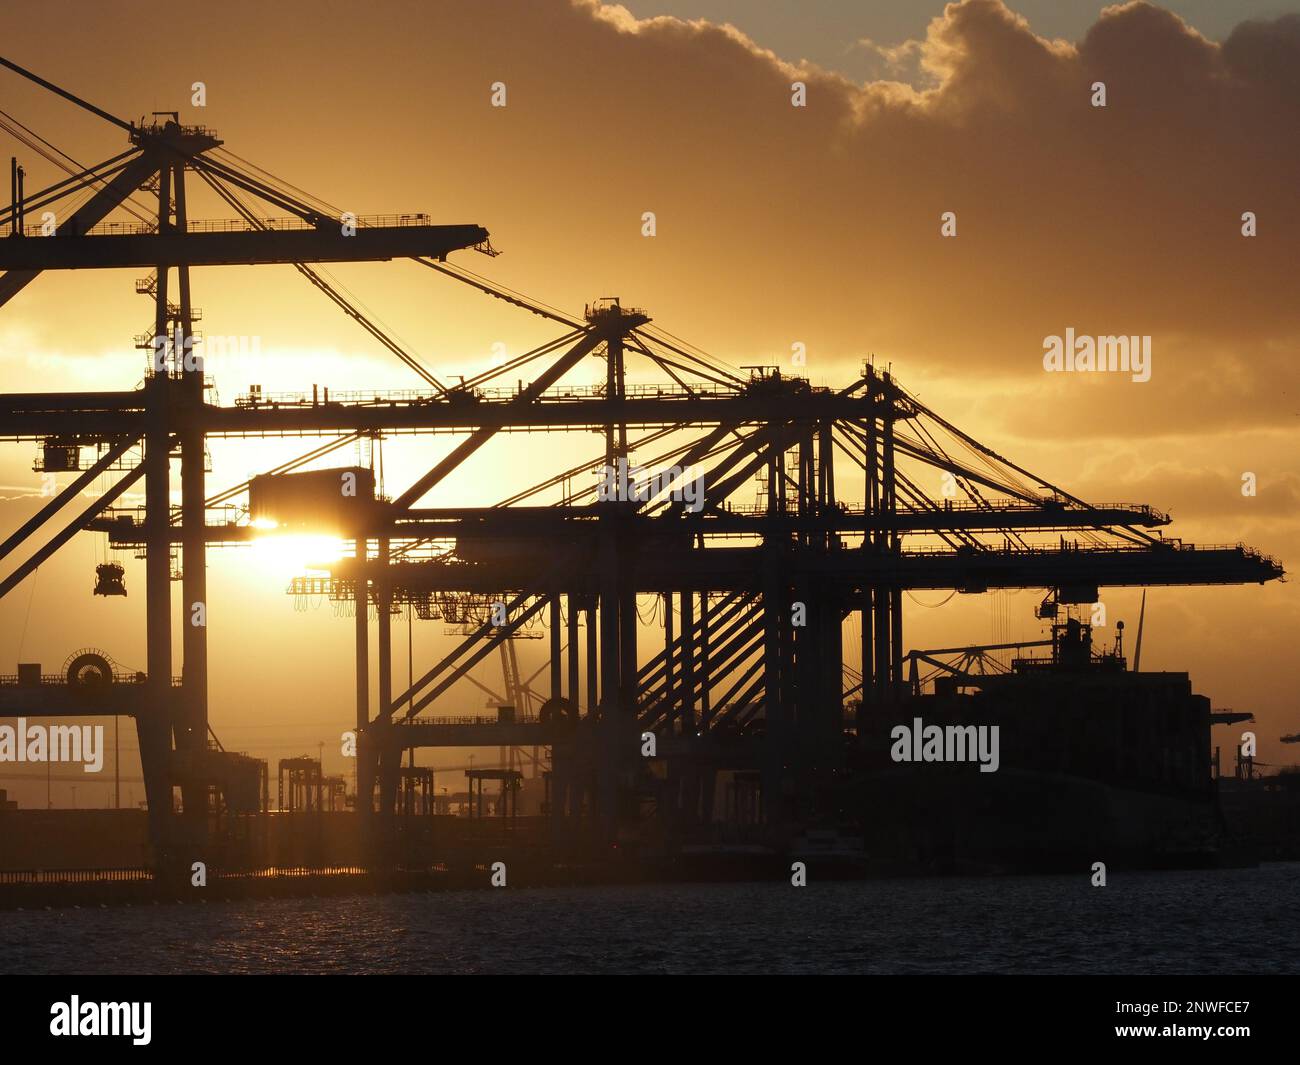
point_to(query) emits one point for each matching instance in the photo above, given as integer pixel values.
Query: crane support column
(192, 725)
(573, 652)
(155, 725)
(557, 652)
(391, 755)
(367, 743)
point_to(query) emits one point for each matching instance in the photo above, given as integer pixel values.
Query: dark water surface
(1222, 921)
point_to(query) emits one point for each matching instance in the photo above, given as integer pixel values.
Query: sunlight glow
(291, 554)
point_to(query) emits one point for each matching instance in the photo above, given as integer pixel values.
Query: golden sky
(775, 225)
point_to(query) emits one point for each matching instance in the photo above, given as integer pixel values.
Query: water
(1205, 922)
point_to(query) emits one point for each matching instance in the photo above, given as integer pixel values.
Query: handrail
(480, 719)
(59, 680)
(235, 225)
(558, 394)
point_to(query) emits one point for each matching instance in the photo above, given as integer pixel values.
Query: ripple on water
(1176, 922)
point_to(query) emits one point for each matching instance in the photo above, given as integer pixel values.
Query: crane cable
(34, 141)
(316, 279)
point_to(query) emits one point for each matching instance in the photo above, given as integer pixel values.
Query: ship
(1098, 766)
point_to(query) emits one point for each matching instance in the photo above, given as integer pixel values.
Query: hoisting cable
(329, 290)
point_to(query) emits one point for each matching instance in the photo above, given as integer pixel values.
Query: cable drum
(88, 668)
(559, 712)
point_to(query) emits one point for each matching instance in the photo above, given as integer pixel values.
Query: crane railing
(237, 225)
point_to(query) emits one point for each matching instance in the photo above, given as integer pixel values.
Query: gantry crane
(160, 155)
(754, 599)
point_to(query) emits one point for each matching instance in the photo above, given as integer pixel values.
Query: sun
(289, 554)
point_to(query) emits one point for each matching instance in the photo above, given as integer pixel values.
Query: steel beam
(233, 248)
(99, 505)
(21, 257)
(69, 492)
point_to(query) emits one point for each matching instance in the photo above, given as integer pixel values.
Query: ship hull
(939, 819)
